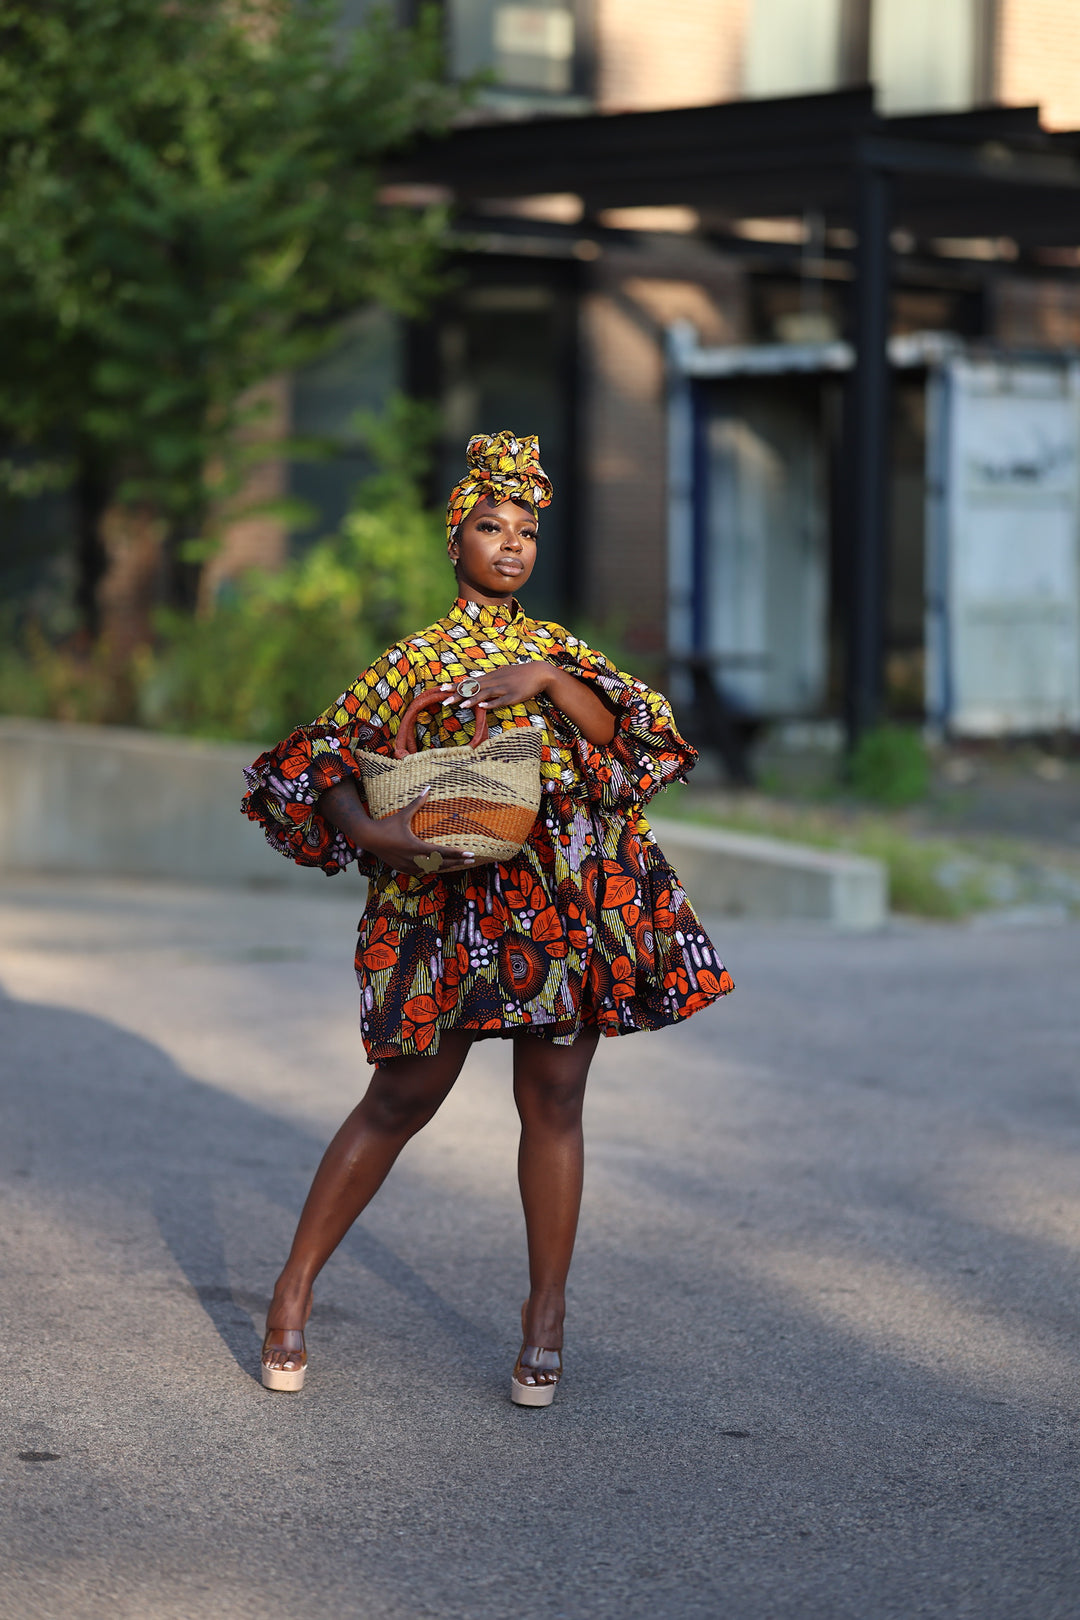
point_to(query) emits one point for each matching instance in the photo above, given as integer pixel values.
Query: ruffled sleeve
(286, 783)
(646, 752)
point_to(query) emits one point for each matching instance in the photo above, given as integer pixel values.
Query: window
(921, 55)
(532, 48)
(925, 54)
(794, 47)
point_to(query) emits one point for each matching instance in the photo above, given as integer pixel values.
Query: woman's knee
(405, 1092)
(400, 1106)
(552, 1101)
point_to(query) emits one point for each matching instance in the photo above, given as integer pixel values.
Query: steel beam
(866, 453)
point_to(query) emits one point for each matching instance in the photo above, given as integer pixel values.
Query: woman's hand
(391, 839)
(502, 688)
(517, 683)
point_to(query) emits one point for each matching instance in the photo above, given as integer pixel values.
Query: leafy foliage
(190, 195)
(278, 647)
(890, 766)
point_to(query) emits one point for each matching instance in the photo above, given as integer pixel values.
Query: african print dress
(588, 924)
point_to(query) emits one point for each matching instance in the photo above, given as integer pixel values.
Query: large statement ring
(429, 863)
(469, 687)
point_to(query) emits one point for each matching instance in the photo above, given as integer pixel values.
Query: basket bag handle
(433, 698)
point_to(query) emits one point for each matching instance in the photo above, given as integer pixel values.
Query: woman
(586, 931)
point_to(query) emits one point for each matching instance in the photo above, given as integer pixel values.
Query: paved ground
(823, 1336)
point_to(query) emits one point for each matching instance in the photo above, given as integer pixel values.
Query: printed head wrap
(500, 465)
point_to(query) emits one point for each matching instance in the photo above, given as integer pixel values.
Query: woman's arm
(582, 705)
(516, 683)
(391, 837)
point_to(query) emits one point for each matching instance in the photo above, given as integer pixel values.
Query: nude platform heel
(543, 1366)
(285, 1378)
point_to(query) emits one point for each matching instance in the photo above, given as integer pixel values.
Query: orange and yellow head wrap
(500, 465)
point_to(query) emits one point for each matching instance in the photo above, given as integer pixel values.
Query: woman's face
(494, 551)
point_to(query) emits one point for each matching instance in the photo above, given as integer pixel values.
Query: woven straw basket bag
(484, 796)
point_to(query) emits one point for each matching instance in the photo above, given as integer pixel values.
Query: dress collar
(480, 615)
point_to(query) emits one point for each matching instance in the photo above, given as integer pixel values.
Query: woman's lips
(509, 567)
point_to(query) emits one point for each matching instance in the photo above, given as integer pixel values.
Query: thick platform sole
(531, 1394)
(283, 1378)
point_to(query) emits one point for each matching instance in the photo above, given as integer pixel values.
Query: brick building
(561, 319)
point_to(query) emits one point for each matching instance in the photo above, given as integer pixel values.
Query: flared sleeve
(646, 752)
(286, 783)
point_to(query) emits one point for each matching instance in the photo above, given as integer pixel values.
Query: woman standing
(585, 932)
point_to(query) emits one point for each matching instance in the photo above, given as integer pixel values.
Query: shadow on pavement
(727, 1444)
(116, 1116)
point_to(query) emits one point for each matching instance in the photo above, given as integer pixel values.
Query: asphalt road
(822, 1354)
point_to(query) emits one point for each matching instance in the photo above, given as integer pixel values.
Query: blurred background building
(790, 290)
(677, 313)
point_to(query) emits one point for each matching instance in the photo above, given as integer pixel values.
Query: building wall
(624, 546)
(1038, 58)
(635, 294)
(691, 52)
(681, 53)
(686, 53)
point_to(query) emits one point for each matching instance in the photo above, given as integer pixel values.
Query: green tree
(275, 648)
(190, 195)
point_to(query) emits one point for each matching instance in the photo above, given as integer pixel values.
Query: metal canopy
(990, 172)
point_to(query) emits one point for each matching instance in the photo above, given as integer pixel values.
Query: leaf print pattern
(588, 924)
(419, 1021)
(381, 951)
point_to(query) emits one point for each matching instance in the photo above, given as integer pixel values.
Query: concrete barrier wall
(99, 800)
(103, 799)
(742, 875)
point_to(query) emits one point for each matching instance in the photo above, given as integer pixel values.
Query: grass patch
(890, 766)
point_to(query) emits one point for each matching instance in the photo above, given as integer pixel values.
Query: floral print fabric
(588, 924)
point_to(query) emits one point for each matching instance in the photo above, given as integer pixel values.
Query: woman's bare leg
(402, 1096)
(549, 1089)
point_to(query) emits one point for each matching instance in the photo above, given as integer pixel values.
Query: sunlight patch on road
(897, 1309)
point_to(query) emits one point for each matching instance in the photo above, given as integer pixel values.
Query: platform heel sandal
(544, 1367)
(285, 1378)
